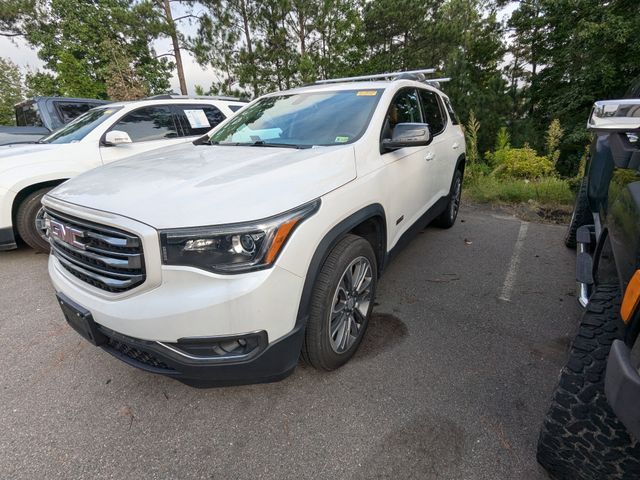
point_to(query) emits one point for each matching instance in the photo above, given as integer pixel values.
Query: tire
(581, 438)
(448, 218)
(331, 307)
(581, 215)
(28, 212)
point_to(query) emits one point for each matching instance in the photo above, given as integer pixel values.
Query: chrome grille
(105, 257)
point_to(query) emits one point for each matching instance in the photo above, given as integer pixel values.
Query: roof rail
(169, 96)
(435, 82)
(377, 76)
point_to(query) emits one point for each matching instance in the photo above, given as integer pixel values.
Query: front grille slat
(107, 258)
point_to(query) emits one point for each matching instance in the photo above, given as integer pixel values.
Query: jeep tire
(581, 438)
(341, 304)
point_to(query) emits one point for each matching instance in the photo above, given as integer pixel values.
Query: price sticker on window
(197, 118)
(367, 93)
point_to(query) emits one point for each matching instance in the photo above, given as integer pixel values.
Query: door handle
(430, 156)
(456, 146)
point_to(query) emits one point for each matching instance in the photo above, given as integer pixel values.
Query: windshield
(81, 126)
(301, 120)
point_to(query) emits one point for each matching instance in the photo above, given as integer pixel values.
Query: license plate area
(80, 319)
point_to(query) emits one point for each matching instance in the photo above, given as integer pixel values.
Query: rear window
(199, 119)
(27, 115)
(452, 113)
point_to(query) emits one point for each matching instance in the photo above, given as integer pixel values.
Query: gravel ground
(451, 382)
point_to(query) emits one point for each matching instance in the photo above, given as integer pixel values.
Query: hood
(188, 185)
(21, 154)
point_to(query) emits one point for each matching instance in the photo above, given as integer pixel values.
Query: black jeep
(592, 428)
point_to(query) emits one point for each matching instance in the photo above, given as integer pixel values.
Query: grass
(550, 192)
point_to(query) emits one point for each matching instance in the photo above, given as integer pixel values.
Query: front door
(408, 170)
(148, 127)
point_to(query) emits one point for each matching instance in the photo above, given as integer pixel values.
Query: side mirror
(116, 137)
(615, 116)
(408, 135)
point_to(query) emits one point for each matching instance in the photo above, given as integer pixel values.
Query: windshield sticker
(197, 119)
(342, 139)
(367, 93)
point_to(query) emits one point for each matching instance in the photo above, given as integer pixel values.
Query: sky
(20, 53)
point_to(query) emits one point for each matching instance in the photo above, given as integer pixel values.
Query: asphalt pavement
(451, 382)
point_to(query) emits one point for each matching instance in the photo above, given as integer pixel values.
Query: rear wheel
(448, 217)
(341, 304)
(581, 215)
(581, 438)
(30, 221)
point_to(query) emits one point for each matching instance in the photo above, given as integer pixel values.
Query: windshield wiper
(262, 143)
(257, 143)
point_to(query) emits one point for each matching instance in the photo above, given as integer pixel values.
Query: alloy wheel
(350, 305)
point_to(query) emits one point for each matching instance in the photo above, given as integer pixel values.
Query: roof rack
(379, 76)
(168, 96)
(435, 82)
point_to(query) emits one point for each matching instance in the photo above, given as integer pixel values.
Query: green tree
(77, 41)
(579, 51)
(13, 14)
(10, 91)
(40, 83)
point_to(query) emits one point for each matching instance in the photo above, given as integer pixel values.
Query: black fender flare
(461, 163)
(326, 245)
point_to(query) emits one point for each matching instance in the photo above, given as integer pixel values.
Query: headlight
(239, 247)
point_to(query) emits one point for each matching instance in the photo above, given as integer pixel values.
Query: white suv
(100, 136)
(221, 260)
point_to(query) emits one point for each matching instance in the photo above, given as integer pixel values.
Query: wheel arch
(28, 190)
(369, 223)
(461, 163)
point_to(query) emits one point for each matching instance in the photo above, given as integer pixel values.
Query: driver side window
(404, 108)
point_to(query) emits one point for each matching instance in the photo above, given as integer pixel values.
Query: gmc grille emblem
(66, 234)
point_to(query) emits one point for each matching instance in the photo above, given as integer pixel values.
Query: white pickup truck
(100, 136)
(220, 261)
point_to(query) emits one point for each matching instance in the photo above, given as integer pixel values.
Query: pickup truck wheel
(30, 221)
(448, 217)
(341, 304)
(581, 215)
(581, 437)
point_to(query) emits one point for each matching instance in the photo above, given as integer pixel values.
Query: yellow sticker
(367, 93)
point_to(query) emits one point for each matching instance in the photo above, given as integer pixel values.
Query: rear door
(443, 148)
(148, 127)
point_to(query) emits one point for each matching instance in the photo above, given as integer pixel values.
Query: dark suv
(592, 428)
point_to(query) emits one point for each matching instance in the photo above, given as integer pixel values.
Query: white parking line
(510, 279)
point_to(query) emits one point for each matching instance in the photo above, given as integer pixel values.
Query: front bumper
(7, 236)
(265, 363)
(622, 387)
(7, 239)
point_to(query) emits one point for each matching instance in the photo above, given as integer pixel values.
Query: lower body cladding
(200, 329)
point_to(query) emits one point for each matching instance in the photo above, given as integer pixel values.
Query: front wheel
(581, 438)
(30, 221)
(341, 304)
(448, 217)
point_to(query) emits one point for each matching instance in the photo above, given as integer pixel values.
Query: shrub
(550, 191)
(521, 163)
(471, 135)
(552, 140)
